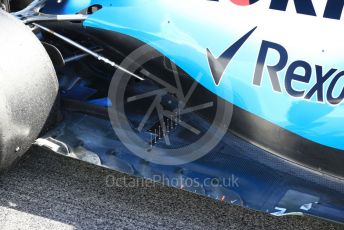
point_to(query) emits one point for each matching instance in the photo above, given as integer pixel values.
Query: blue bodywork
(184, 35)
(175, 30)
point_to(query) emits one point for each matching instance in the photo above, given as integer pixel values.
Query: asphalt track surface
(48, 191)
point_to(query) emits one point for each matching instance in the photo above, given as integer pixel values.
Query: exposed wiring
(86, 50)
(53, 18)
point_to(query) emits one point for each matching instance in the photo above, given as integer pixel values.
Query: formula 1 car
(240, 101)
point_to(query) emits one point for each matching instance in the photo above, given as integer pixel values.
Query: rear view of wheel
(28, 89)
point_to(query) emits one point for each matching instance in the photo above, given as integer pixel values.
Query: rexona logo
(333, 8)
(218, 65)
(334, 93)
